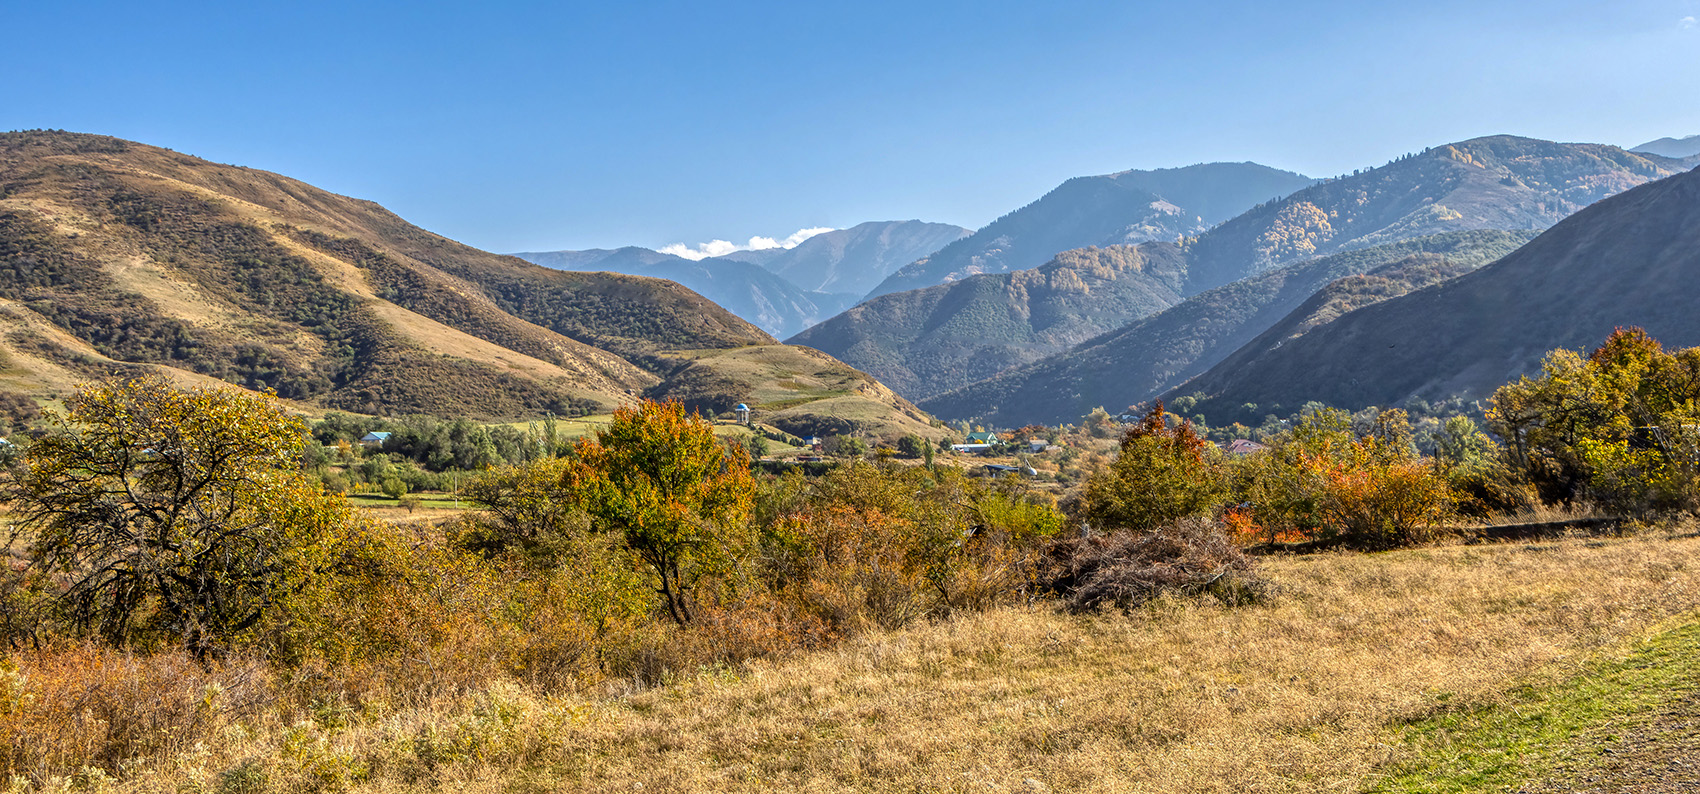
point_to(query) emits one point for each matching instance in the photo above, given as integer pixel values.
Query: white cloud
(724, 247)
(1687, 23)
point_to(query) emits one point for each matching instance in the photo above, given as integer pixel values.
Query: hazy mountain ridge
(1121, 208)
(925, 341)
(750, 291)
(1675, 148)
(857, 259)
(1148, 356)
(1497, 182)
(1628, 260)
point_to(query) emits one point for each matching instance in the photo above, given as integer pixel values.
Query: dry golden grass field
(1309, 690)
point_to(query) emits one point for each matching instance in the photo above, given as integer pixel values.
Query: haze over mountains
(925, 341)
(1679, 148)
(117, 257)
(1113, 209)
(749, 291)
(857, 259)
(781, 290)
(1364, 289)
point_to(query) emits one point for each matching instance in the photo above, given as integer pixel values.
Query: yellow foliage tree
(172, 512)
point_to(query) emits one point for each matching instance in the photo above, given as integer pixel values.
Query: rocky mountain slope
(1114, 209)
(1146, 357)
(1497, 182)
(922, 342)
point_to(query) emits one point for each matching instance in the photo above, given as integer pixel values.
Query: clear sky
(541, 126)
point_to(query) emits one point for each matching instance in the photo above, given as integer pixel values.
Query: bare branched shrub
(1188, 556)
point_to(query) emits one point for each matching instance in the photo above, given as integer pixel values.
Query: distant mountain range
(1113, 209)
(1630, 260)
(854, 260)
(122, 258)
(747, 290)
(1149, 356)
(1496, 183)
(1679, 148)
(768, 287)
(924, 341)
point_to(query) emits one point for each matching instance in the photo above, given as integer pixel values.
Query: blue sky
(539, 126)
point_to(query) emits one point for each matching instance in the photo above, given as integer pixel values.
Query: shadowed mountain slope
(1630, 260)
(921, 342)
(1142, 359)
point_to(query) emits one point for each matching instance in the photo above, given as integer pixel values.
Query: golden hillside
(116, 256)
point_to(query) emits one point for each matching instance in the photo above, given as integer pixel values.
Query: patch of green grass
(1541, 727)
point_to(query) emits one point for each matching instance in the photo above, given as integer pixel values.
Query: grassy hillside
(797, 389)
(1148, 356)
(116, 254)
(1113, 209)
(922, 342)
(1498, 182)
(1626, 261)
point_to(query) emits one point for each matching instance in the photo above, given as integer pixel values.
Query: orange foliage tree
(1318, 481)
(677, 495)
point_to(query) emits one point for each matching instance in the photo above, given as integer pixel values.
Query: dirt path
(1652, 754)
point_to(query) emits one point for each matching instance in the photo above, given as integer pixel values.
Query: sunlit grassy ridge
(1301, 693)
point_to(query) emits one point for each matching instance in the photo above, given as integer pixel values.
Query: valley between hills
(307, 498)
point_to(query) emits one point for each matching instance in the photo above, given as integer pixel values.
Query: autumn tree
(1319, 481)
(1620, 427)
(677, 495)
(170, 512)
(1162, 473)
